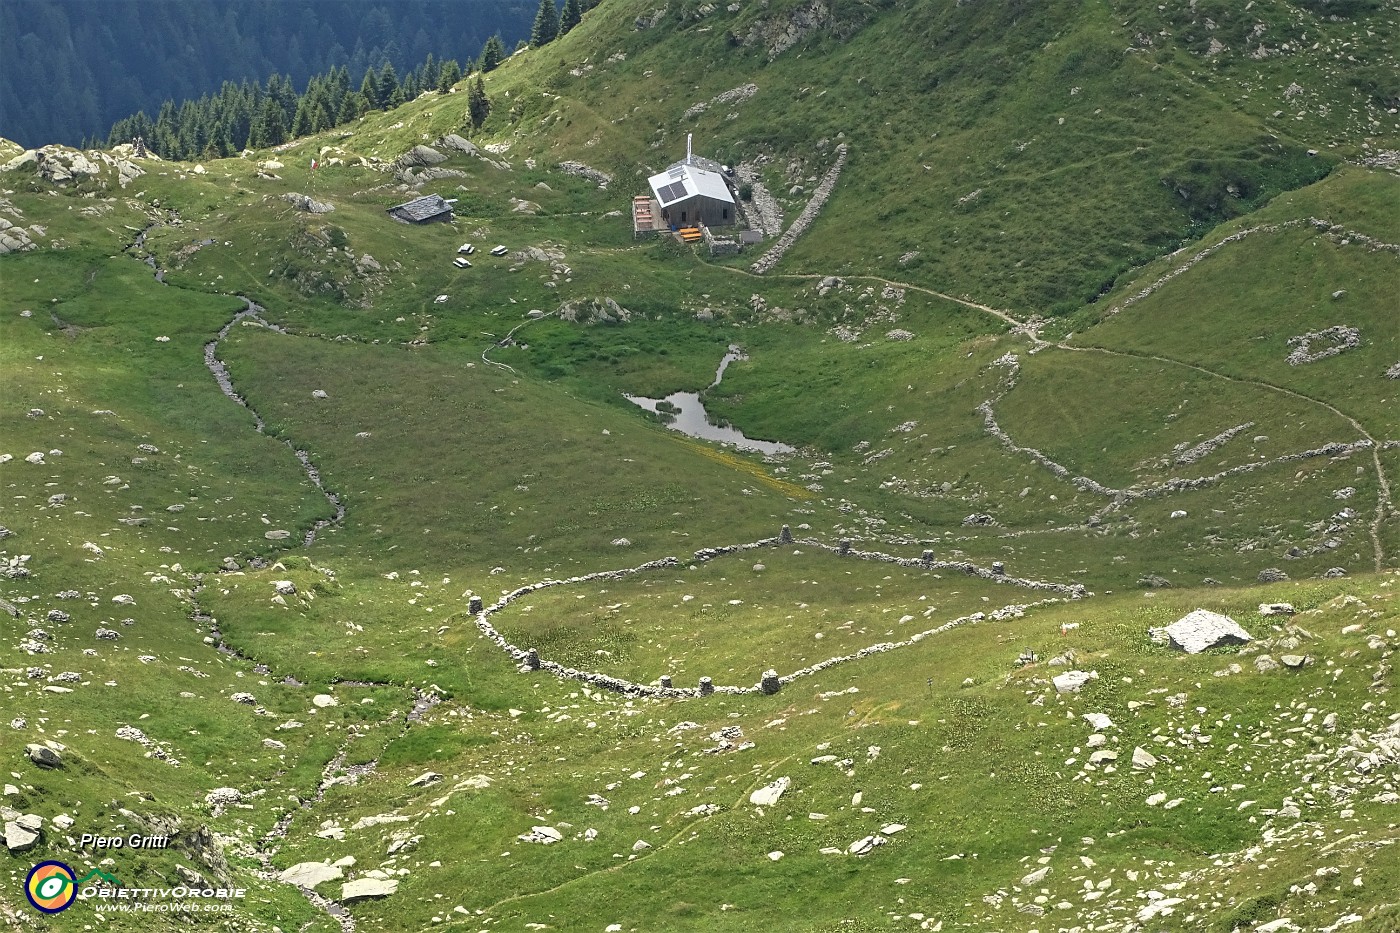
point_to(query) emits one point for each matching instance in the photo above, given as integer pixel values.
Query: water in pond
(687, 414)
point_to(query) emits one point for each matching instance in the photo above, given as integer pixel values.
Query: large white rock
(1143, 759)
(768, 795)
(544, 835)
(363, 888)
(310, 874)
(1201, 629)
(18, 838)
(1071, 681)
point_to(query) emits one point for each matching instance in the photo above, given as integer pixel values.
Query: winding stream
(685, 412)
(221, 376)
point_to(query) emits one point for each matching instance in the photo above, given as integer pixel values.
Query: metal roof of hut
(421, 210)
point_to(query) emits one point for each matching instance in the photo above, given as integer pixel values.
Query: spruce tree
(570, 16)
(448, 75)
(390, 95)
(546, 28)
(478, 104)
(493, 53)
(369, 90)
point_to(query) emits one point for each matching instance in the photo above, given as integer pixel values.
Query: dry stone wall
(804, 220)
(770, 682)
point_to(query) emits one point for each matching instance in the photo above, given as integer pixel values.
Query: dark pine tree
(369, 90)
(546, 28)
(449, 74)
(570, 16)
(478, 104)
(390, 93)
(492, 53)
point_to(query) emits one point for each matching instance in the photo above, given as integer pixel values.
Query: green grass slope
(1046, 320)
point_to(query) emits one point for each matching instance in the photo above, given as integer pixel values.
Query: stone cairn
(786, 536)
(666, 681)
(138, 147)
(707, 686)
(770, 684)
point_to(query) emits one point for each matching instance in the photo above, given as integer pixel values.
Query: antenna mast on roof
(689, 156)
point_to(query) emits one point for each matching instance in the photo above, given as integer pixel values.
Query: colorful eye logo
(51, 887)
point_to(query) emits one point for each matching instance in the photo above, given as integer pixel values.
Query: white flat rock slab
(1201, 629)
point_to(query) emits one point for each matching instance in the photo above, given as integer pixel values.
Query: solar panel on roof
(672, 192)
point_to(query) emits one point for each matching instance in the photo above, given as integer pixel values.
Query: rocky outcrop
(454, 143)
(779, 33)
(594, 311)
(732, 96)
(602, 179)
(419, 156)
(306, 203)
(13, 238)
(60, 165)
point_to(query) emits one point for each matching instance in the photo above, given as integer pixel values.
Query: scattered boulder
(1294, 660)
(324, 701)
(544, 835)
(424, 779)
(1201, 629)
(284, 587)
(1272, 575)
(455, 143)
(420, 155)
(1276, 609)
(1143, 759)
(1072, 681)
(43, 756)
(19, 838)
(1036, 877)
(364, 888)
(768, 795)
(221, 797)
(866, 845)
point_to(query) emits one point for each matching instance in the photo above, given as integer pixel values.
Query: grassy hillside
(1082, 310)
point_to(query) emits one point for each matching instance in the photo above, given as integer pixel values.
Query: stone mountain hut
(693, 191)
(427, 209)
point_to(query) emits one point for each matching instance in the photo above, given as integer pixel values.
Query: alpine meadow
(755, 466)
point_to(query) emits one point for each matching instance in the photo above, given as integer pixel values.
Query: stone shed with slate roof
(427, 209)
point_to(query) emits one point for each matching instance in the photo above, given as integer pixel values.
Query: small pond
(685, 412)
